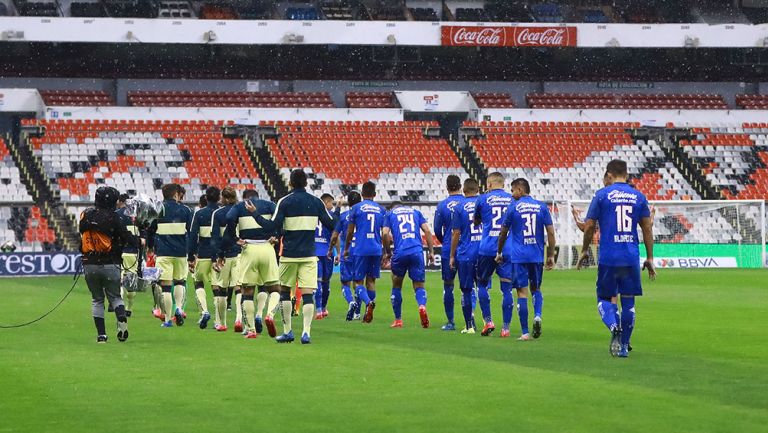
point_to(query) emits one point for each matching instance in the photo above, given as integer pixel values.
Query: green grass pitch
(700, 364)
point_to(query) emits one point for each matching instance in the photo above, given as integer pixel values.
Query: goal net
(687, 234)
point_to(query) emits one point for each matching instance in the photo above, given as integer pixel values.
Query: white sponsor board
(695, 262)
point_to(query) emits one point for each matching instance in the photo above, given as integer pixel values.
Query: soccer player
(527, 219)
(130, 254)
(258, 263)
(365, 221)
(465, 245)
(489, 211)
(442, 225)
(338, 238)
(403, 225)
(200, 251)
(618, 209)
(168, 239)
(225, 270)
(324, 261)
(296, 217)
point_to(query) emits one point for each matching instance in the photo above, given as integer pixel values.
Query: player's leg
(535, 276)
(521, 276)
(326, 284)
(372, 272)
(398, 272)
(203, 270)
(269, 288)
(111, 284)
(130, 264)
(180, 272)
(417, 272)
(486, 265)
(249, 311)
(629, 287)
(165, 265)
(94, 280)
(358, 272)
(449, 276)
(306, 275)
(288, 279)
(218, 276)
(607, 289)
(345, 277)
(318, 295)
(467, 271)
(506, 276)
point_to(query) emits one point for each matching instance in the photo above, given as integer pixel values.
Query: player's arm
(550, 263)
(504, 233)
(327, 219)
(589, 233)
(386, 239)
(577, 218)
(151, 231)
(457, 218)
(193, 239)
(430, 244)
(646, 224)
(439, 226)
(478, 217)
(348, 241)
(273, 225)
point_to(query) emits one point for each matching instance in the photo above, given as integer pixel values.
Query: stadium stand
(76, 98)
(493, 100)
(138, 157)
(752, 102)
(407, 165)
(37, 8)
(304, 13)
(175, 9)
(337, 10)
(93, 9)
(565, 161)
(385, 12)
(132, 8)
(734, 159)
(471, 14)
(424, 14)
(371, 100)
(626, 101)
(548, 13)
(213, 11)
(11, 187)
(230, 99)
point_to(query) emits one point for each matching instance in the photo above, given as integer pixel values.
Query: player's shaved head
(522, 184)
(353, 198)
(249, 194)
(617, 169)
(495, 180)
(212, 194)
(453, 183)
(229, 195)
(298, 179)
(369, 190)
(471, 187)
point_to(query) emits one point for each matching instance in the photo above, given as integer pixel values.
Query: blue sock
(607, 312)
(474, 297)
(522, 314)
(362, 295)
(448, 301)
(371, 294)
(397, 302)
(347, 293)
(326, 293)
(319, 296)
(421, 297)
(627, 318)
(484, 299)
(467, 305)
(538, 303)
(507, 303)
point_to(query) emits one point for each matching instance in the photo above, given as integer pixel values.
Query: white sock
(261, 301)
(202, 302)
(287, 309)
(308, 311)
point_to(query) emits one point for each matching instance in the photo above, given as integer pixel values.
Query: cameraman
(103, 237)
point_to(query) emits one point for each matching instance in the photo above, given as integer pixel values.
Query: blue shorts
(618, 280)
(467, 274)
(411, 263)
(486, 266)
(345, 270)
(366, 266)
(445, 268)
(324, 268)
(528, 274)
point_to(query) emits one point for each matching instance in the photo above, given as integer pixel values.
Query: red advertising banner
(502, 36)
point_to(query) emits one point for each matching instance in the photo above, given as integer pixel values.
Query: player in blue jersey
(618, 209)
(489, 211)
(200, 251)
(442, 230)
(324, 261)
(527, 219)
(403, 226)
(365, 221)
(465, 244)
(338, 240)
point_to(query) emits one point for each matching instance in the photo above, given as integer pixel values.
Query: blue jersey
(618, 209)
(131, 226)
(405, 224)
(322, 239)
(527, 220)
(341, 228)
(442, 224)
(168, 233)
(471, 235)
(491, 207)
(368, 218)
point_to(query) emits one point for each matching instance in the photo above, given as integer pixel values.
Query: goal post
(687, 234)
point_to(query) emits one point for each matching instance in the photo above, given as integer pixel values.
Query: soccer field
(700, 364)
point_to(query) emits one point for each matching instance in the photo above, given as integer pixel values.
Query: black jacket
(109, 223)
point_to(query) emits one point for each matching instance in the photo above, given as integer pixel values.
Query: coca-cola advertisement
(503, 36)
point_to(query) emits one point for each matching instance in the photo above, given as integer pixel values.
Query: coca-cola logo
(479, 36)
(541, 36)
